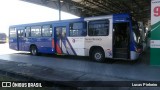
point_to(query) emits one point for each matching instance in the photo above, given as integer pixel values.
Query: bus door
(13, 38)
(20, 39)
(121, 40)
(61, 40)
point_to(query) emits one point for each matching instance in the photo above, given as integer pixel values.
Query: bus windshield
(2, 35)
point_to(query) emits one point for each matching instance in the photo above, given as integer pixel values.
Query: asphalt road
(114, 68)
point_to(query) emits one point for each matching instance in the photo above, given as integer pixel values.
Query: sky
(13, 12)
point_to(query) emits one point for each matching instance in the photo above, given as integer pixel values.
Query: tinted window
(47, 31)
(20, 32)
(36, 31)
(12, 32)
(98, 28)
(78, 29)
(61, 33)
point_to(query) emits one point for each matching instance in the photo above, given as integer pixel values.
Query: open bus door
(61, 40)
(121, 40)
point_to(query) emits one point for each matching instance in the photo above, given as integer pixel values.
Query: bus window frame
(81, 29)
(29, 31)
(107, 31)
(50, 28)
(10, 32)
(40, 35)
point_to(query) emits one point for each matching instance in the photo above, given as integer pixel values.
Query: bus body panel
(76, 46)
(44, 45)
(134, 55)
(62, 43)
(13, 43)
(105, 42)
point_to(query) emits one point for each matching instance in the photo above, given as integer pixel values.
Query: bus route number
(157, 11)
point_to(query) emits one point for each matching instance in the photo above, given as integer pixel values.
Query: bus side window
(27, 32)
(78, 29)
(98, 28)
(36, 31)
(12, 32)
(47, 31)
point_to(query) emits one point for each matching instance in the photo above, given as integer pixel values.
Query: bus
(3, 38)
(100, 37)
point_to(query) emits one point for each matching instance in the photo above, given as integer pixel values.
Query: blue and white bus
(111, 36)
(3, 38)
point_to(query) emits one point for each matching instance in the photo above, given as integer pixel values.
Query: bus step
(60, 54)
(120, 55)
(120, 50)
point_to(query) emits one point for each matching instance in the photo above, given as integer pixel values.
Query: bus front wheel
(98, 55)
(34, 50)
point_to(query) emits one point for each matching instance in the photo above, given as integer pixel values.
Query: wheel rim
(98, 56)
(34, 51)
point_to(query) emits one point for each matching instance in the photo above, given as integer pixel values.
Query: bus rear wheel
(98, 55)
(34, 50)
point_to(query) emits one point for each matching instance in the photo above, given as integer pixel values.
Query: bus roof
(116, 18)
(121, 18)
(48, 22)
(98, 17)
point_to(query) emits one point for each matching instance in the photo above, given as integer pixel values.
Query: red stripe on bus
(52, 43)
(58, 49)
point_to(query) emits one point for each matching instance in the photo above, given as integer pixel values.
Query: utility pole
(59, 2)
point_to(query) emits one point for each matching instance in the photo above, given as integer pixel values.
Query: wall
(155, 33)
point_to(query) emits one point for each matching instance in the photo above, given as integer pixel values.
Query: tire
(98, 55)
(34, 50)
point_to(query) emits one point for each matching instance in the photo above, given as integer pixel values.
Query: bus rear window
(12, 32)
